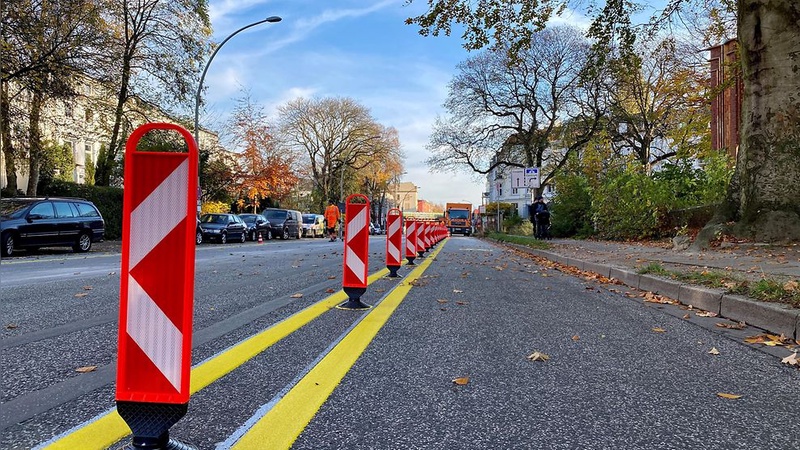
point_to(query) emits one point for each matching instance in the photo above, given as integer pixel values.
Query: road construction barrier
(394, 241)
(411, 241)
(356, 251)
(156, 288)
(421, 244)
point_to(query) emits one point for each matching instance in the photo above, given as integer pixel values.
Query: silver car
(313, 225)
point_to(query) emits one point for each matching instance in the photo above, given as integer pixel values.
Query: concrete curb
(773, 317)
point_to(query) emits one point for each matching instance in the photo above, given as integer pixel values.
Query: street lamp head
(273, 19)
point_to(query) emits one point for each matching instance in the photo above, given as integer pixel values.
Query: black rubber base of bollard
(393, 271)
(410, 260)
(354, 302)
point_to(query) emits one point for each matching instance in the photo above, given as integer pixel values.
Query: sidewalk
(623, 262)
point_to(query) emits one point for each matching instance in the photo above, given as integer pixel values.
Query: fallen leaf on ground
(87, 288)
(714, 351)
(461, 381)
(86, 369)
(380, 290)
(735, 326)
(791, 286)
(705, 314)
(11, 326)
(538, 356)
(576, 338)
(298, 295)
(462, 303)
(441, 300)
(686, 316)
(729, 396)
(332, 277)
(457, 291)
(791, 360)
(81, 294)
(659, 330)
(330, 290)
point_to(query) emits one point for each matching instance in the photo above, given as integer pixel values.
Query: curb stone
(772, 317)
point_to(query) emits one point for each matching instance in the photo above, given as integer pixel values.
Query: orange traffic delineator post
(411, 241)
(156, 289)
(356, 251)
(394, 241)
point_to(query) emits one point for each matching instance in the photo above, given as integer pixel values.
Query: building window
(88, 154)
(514, 191)
(89, 116)
(68, 109)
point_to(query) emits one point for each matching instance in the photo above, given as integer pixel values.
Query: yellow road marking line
(282, 424)
(110, 428)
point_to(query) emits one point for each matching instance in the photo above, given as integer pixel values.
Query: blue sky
(351, 48)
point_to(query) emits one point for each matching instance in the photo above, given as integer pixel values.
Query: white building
(84, 124)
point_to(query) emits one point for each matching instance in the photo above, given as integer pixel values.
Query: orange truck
(458, 218)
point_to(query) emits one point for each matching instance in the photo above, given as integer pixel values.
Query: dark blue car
(223, 228)
(32, 223)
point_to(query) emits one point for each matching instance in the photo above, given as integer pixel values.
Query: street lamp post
(271, 19)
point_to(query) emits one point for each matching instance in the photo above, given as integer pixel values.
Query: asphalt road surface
(273, 369)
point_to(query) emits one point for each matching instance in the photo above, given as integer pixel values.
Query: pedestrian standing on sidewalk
(332, 216)
(541, 215)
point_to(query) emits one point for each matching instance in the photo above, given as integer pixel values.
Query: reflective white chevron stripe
(394, 228)
(356, 264)
(152, 220)
(158, 214)
(411, 246)
(154, 333)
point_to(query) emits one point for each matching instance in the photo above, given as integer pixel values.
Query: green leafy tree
(764, 193)
(155, 55)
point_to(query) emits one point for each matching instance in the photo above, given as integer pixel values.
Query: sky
(360, 49)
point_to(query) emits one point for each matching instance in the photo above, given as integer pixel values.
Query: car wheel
(244, 237)
(223, 238)
(285, 234)
(198, 238)
(269, 235)
(253, 236)
(299, 233)
(84, 243)
(8, 244)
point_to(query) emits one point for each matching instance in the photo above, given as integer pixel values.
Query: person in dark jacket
(541, 216)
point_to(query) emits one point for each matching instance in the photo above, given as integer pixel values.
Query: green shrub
(631, 205)
(107, 199)
(571, 208)
(523, 228)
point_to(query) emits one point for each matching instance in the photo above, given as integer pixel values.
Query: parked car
(198, 233)
(256, 225)
(284, 223)
(31, 223)
(375, 228)
(223, 228)
(313, 225)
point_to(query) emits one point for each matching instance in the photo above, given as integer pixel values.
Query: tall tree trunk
(5, 136)
(34, 141)
(768, 166)
(105, 167)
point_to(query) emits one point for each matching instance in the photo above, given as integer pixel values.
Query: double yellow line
(305, 398)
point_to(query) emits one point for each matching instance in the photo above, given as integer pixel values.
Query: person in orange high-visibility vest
(332, 216)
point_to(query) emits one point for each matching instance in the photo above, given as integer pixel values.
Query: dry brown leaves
(771, 340)
(461, 381)
(86, 369)
(791, 360)
(728, 396)
(538, 356)
(732, 326)
(298, 295)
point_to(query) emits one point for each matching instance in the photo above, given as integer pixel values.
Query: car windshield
(459, 214)
(309, 218)
(275, 215)
(214, 218)
(248, 219)
(13, 208)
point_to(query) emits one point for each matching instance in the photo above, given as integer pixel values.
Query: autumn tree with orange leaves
(263, 171)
